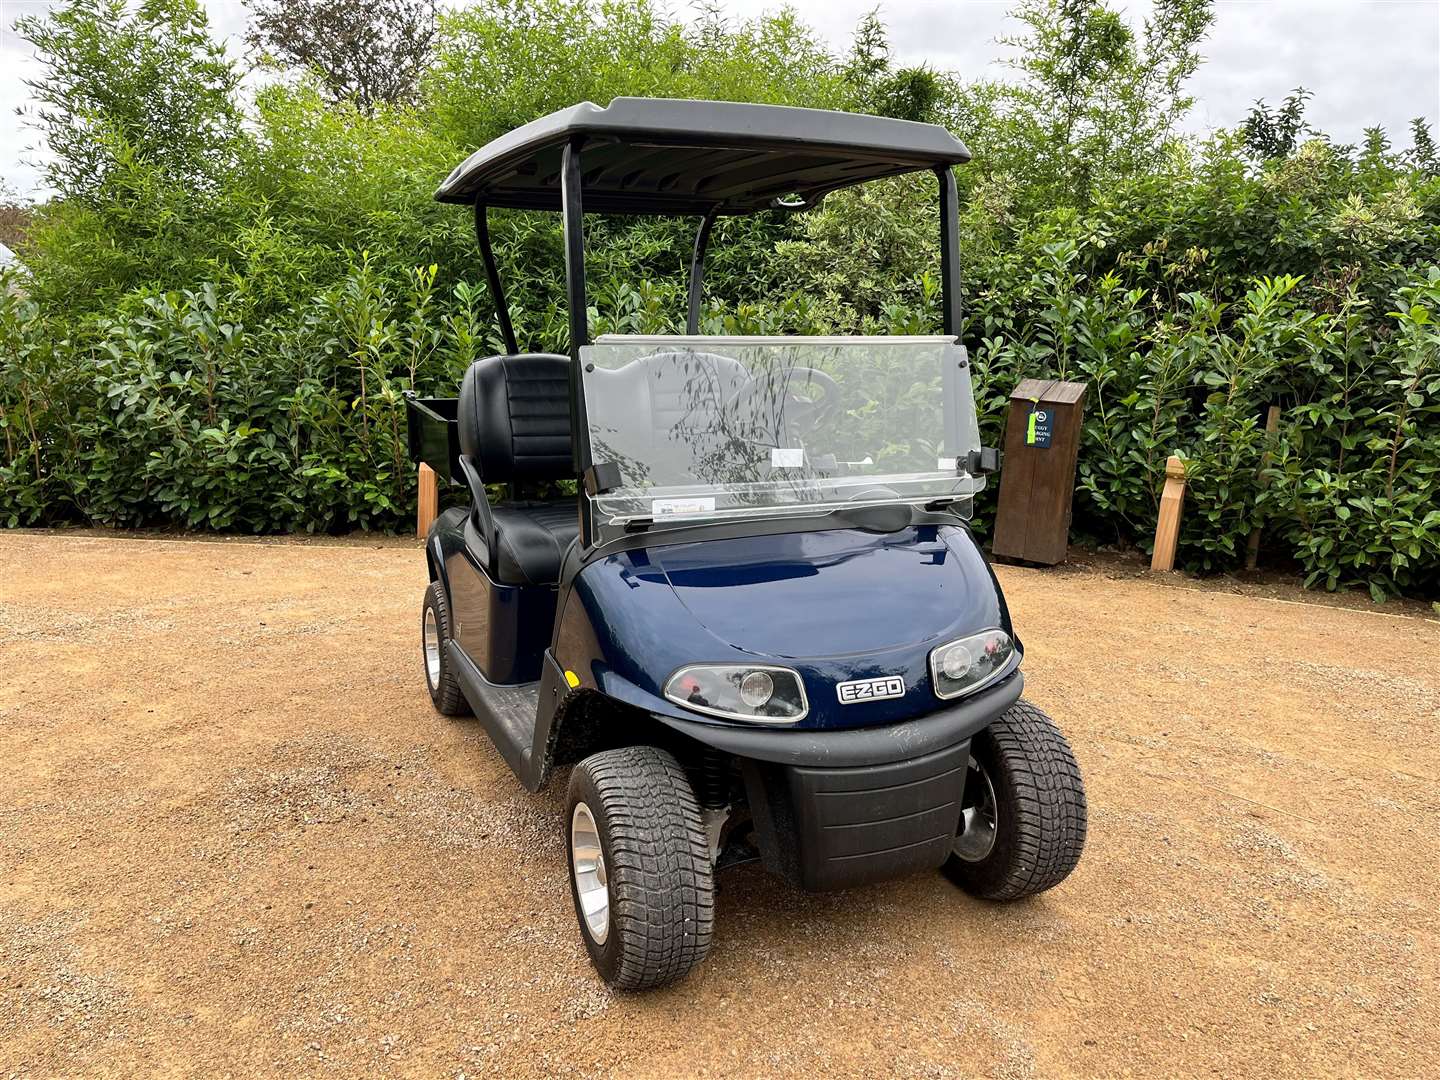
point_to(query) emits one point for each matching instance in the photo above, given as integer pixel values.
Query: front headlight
(754, 692)
(964, 666)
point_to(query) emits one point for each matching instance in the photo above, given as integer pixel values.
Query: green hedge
(219, 338)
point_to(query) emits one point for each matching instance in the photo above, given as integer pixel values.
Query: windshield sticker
(700, 504)
(947, 464)
(781, 458)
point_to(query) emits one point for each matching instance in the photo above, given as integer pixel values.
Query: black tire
(656, 866)
(444, 690)
(1039, 808)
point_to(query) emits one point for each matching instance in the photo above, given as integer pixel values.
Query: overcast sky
(1366, 61)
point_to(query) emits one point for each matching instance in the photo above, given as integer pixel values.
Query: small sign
(785, 458)
(1040, 427)
(700, 504)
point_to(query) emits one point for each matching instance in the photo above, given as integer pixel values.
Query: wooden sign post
(1167, 530)
(1037, 485)
(427, 506)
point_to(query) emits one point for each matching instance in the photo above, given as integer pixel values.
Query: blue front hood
(835, 605)
(828, 594)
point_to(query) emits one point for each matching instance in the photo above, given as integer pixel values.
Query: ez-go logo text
(891, 686)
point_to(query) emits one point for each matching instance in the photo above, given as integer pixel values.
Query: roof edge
(702, 124)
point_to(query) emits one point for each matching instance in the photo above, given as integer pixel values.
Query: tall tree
(15, 216)
(914, 93)
(130, 87)
(1099, 100)
(1422, 148)
(370, 52)
(1266, 134)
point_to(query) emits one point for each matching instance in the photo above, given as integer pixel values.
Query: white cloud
(19, 156)
(16, 66)
(1367, 62)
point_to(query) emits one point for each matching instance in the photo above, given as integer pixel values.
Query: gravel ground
(236, 840)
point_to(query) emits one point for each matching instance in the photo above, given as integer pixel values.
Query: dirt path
(236, 840)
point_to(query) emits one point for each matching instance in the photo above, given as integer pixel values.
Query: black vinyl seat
(532, 538)
(514, 420)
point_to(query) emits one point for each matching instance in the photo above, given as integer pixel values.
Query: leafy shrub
(220, 316)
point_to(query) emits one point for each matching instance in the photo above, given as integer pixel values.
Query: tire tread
(662, 897)
(1047, 803)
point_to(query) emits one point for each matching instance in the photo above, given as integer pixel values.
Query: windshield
(714, 427)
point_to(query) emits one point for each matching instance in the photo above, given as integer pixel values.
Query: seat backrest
(514, 417)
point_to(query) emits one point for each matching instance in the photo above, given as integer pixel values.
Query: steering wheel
(818, 402)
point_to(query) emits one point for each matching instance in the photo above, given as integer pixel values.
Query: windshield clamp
(985, 460)
(601, 477)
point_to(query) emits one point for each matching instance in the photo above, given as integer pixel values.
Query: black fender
(445, 539)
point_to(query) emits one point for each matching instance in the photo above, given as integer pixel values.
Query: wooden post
(428, 505)
(1042, 445)
(1252, 544)
(1167, 530)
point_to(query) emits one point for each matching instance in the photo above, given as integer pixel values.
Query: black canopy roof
(665, 156)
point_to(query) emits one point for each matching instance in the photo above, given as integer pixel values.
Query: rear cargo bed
(434, 435)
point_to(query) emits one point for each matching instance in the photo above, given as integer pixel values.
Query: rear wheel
(434, 637)
(1023, 821)
(640, 870)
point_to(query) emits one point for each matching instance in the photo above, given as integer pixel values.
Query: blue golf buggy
(760, 629)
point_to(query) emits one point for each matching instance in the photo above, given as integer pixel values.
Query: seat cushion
(532, 538)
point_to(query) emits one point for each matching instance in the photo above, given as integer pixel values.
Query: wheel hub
(978, 818)
(432, 647)
(588, 865)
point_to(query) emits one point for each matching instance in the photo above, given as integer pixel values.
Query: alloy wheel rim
(432, 648)
(587, 863)
(978, 818)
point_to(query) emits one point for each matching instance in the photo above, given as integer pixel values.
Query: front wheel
(1022, 825)
(640, 870)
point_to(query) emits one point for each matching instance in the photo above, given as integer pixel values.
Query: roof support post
(697, 270)
(492, 275)
(950, 309)
(573, 214)
(574, 224)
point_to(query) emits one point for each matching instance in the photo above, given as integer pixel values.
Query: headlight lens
(767, 695)
(964, 666)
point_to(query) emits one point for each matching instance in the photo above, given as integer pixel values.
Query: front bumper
(834, 809)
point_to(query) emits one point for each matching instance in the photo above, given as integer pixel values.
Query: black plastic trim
(951, 312)
(885, 518)
(514, 737)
